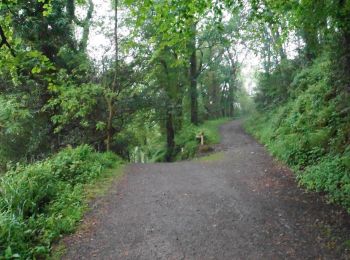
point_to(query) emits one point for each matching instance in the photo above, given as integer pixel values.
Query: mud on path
(243, 205)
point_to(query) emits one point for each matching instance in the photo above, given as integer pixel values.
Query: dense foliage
(303, 101)
(42, 201)
(168, 71)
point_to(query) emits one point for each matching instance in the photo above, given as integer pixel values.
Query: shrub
(80, 165)
(186, 141)
(330, 175)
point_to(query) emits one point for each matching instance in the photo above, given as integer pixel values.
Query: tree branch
(5, 42)
(86, 27)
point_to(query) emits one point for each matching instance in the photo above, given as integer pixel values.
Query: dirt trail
(241, 206)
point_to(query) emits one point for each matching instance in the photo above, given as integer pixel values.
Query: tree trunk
(170, 136)
(267, 51)
(116, 42)
(193, 78)
(230, 100)
(109, 124)
(179, 109)
(311, 43)
(86, 27)
(281, 50)
(114, 87)
(232, 85)
(345, 21)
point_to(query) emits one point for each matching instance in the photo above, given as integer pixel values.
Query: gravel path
(243, 205)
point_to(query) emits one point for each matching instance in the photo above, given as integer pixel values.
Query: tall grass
(42, 201)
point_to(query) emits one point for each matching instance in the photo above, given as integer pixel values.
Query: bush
(186, 141)
(329, 175)
(81, 164)
(39, 202)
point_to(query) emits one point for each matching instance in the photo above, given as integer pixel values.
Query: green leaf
(36, 70)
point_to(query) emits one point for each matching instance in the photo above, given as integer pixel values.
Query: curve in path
(243, 205)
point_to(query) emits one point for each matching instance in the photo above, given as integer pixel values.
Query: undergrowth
(186, 142)
(310, 132)
(42, 201)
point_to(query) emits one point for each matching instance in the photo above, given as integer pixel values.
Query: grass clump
(212, 157)
(42, 201)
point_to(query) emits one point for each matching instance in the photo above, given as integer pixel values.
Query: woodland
(169, 70)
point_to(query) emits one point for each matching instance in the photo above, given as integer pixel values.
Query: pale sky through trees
(101, 45)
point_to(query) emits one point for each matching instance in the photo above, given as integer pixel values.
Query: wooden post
(202, 138)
